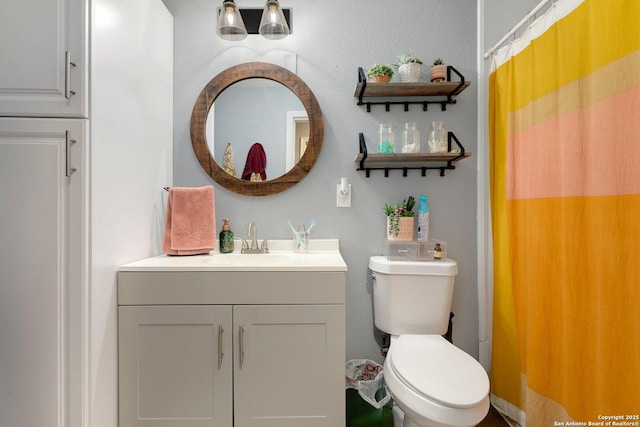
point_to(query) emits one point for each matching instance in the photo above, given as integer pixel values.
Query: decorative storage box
(415, 250)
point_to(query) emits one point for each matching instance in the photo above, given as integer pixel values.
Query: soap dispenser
(226, 237)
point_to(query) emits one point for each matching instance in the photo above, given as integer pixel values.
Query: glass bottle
(226, 238)
(438, 138)
(386, 139)
(438, 252)
(410, 138)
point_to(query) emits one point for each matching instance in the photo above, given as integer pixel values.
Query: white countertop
(323, 255)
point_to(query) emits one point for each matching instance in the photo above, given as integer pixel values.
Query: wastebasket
(368, 400)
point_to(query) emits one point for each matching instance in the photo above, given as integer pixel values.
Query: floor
(493, 420)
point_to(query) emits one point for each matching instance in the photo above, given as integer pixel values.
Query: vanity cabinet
(173, 367)
(192, 354)
(287, 365)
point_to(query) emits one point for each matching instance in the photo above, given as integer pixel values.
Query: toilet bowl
(434, 383)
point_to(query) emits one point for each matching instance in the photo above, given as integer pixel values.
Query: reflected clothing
(256, 164)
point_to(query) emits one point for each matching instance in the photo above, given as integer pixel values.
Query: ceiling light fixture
(273, 26)
(230, 24)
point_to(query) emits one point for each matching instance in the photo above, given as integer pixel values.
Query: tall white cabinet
(43, 143)
(44, 58)
(85, 131)
(42, 294)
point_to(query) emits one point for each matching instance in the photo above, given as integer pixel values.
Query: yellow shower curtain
(564, 123)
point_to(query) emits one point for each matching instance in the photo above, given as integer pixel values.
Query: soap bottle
(226, 238)
(423, 218)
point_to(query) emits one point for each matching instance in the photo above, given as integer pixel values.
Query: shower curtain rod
(517, 27)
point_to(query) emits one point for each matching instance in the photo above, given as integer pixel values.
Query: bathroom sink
(324, 255)
(249, 260)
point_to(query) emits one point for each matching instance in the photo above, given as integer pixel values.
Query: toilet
(432, 381)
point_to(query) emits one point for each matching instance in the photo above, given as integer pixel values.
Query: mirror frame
(199, 122)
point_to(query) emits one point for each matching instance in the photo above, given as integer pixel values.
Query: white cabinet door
(41, 287)
(175, 366)
(289, 366)
(39, 41)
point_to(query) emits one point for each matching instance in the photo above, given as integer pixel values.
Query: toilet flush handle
(373, 276)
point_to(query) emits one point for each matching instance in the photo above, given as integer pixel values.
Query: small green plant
(380, 70)
(438, 61)
(404, 208)
(406, 58)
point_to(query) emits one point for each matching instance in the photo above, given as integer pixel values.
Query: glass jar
(438, 138)
(386, 139)
(410, 138)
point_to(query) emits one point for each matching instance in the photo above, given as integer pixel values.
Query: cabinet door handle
(220, 353)
(69, 142)
(241, 344)
(68, 93)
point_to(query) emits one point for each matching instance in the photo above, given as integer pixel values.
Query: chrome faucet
(253, 233)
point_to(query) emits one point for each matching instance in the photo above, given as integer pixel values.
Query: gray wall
(330, 40)
(500, 16)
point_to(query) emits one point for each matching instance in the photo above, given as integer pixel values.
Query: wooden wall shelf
(423, 162)
(410, 89)
(447, 90)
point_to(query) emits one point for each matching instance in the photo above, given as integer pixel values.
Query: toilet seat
(437, 370)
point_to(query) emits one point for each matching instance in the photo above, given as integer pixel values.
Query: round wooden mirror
(205, 101)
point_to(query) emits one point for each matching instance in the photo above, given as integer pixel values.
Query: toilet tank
(412, 297)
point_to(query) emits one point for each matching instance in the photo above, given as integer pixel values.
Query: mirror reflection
(300, 146)
(257, 129)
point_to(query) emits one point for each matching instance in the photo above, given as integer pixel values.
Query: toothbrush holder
(301, 240)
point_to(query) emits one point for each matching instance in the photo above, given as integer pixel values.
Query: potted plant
(380, 73)
(438, 71)
(400, 220)
(409, 68)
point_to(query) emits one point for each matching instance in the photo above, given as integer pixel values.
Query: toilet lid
(439, 371)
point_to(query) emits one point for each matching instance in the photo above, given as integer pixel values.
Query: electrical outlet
(343, 200)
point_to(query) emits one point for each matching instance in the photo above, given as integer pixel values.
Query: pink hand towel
(190, 223)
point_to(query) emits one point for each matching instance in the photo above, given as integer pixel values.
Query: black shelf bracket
(452, 137)
(363, 151)
(362, 80)
(450, 99)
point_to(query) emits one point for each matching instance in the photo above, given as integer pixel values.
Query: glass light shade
(273, 25)
(230, 24)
